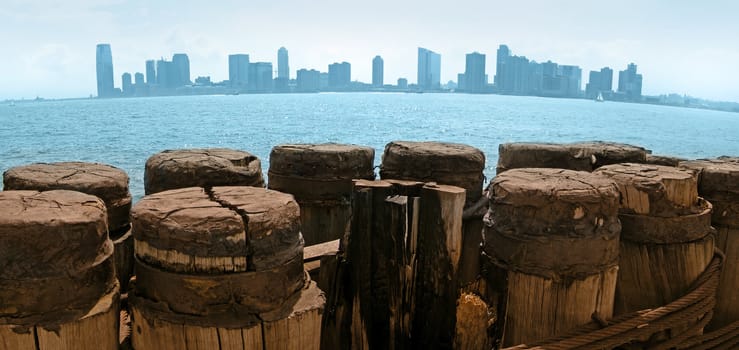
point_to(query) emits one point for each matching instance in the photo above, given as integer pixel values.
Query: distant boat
(599, 98)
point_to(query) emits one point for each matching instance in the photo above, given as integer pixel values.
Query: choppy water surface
(125, 132)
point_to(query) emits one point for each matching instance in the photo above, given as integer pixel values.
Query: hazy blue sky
(683, 46)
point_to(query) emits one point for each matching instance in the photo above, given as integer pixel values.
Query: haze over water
(125, 132)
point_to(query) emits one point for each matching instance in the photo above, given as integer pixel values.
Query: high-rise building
(339, 75)
(238, 70)
(474, 73)
(181, 64)
(572, 79)
(260, 76)
(308, 80)
(378, 71)
(139, 79)
(630, 83)
(283, 68)
(166, 74)
(151, 72)
(126, 84)
(429, 69)
(104, 71)
(500, 78)
(599, 82)
(402, 83)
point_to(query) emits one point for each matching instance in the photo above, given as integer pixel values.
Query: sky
(680, 46)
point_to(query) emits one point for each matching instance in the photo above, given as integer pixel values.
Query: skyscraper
(378, 71)
(339, 75)
(260, 76)
(630, 83)
(308, 80)
(181, 65)
(139, 79)
(283, 69)
(126, 84)
(151, 72)
(167, 76)
(238, 70)
(104, 70)
(474, 73)
(599, 82)
(429, 69)
(500, 78)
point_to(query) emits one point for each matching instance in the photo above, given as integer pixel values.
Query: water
(125, 132)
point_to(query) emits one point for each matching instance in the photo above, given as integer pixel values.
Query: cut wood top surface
(51, 233)
(328, 160)
(173, 169)
(417, 157)
(582, 156)
(543, 202)
(237, 221)
(104, 181)
(654, 189)
(446, 163)
(537, 187)
(719, 176)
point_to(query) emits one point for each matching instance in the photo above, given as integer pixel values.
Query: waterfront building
(166, 74)
(181, 65)
(151, 72)
(238, 70)
(461, 80)
(126, 84)
(630, 83)
(323, 81)
(339, 75)
(308, 80)
(104, 71)
(203, 81)
(429, 69)
(139, 79)
(260, 77)
(283, 69)
(402, 83)
(599, 82)
(474, 73)
(378, 71)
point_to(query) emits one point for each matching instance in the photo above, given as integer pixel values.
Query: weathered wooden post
(666, 237)
(59, 289)
(103, 181)
(182, 168)
(556, 234)
(718, 182)
(581, 156)
(222, 268)
(320, 177)
(450, 164)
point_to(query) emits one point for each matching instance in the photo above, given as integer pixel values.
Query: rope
(697, 304)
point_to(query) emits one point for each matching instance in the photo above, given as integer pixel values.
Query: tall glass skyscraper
(429, 69)
(474, 73)
(181, 64)
(104, 70)
(378, 74)
(283, 68)
(238, 70)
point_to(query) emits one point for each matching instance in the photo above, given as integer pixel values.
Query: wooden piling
(59, 289)
(103, 181)
(222, 268)
(172, 169)
(555, 233)
(718, 182)
(580, 156)
(666, 241)
(320, 177)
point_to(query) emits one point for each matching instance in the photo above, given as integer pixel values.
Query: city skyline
(668, 40)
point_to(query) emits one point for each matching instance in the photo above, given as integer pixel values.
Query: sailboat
(599, 98)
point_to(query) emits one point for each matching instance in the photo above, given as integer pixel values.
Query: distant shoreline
(720, 106)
